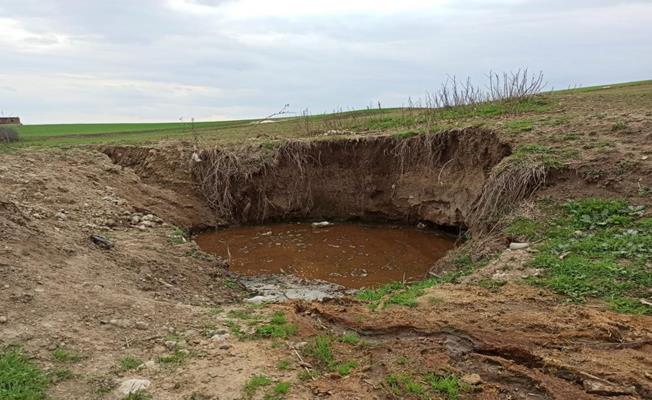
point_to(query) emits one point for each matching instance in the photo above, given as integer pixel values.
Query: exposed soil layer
(350, 255)
(433, 178)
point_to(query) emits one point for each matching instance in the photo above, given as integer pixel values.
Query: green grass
(278, 392)
(277, 327)
(598, 248)
(139, 395)
(524, 229)
(520, 125)
(254, 383)
(351, 338)
(345, 368)
(127, 363)
(406, 294)
(320, 349)
(178, 236)
(178, 357)
(283, 365)
(63, 355)
(20, 379)
(448, 385)
(425, 387)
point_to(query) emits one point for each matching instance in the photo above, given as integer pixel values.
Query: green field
(547, 109)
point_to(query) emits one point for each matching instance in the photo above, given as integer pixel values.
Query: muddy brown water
(351, 255)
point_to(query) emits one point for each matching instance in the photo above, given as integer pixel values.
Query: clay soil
(156, 297)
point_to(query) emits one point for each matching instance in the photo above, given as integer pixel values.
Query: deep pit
(351, 255)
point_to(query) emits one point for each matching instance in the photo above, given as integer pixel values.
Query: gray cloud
(75, 60)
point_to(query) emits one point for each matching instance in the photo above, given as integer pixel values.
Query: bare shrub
(510, 182)
(8, 134)
(517, 85)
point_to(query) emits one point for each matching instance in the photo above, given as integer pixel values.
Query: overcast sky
(159, 60)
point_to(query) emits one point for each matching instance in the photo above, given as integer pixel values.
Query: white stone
(518, 246)
(133, 385)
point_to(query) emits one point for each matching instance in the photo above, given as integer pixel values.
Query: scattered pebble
(3, 319)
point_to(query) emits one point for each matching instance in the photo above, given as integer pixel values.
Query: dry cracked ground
(150, 316)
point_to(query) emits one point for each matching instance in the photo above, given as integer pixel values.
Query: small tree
(8, 134)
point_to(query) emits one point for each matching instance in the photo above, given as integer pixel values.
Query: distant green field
(47, 130)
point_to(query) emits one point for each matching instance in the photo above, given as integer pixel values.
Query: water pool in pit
(351, 255)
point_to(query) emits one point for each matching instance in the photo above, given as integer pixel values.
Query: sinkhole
(353, 255)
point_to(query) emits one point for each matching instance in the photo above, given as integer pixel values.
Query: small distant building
(10, 121)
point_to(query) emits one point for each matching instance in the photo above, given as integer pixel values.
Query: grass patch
(351, 338)
(178, 357)
(524, 229)
(449, 385)
(345, 368)
(519, 125)
(127, 363)
(596, 248)
(178, 236)
(406, 294)
(65, 356)
(278, 392)
(426, 387)
(139, 395)
(254, 383)
(283, 365)
(320, 349)
(277, 327)
(20, 379)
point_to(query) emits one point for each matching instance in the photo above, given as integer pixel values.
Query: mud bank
(434, 178)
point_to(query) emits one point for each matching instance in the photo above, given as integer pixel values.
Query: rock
(225, 346)
(170, 344)
(321, 224)
(102, 242)
(120, 323)
(135, 219)
(60, 216)
(221, 337)
(263, 299)
(518, 246)
(148, 224)
(421, 225)
(593, 386)
(133, 385)
(472, 379)
(141, 325)
(3, 319)
(148, 217)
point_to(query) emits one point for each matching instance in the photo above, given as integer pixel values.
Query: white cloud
(14, 34)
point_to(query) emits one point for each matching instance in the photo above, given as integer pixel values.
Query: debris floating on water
(321, 224)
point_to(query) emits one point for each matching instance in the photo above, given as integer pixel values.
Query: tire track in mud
(511, 367)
